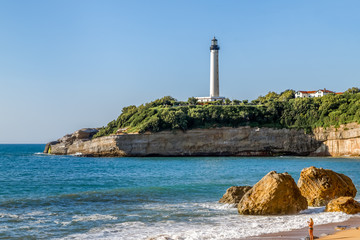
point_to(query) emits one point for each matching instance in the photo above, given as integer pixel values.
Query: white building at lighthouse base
(209, 99)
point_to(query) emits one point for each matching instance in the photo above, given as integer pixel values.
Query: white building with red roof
(311, 94)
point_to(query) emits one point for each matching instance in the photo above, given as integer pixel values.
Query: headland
(226, 141)
(273, 125)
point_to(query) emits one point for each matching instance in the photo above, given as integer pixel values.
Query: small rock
(343, 204)
(234, 194)
(340, 228)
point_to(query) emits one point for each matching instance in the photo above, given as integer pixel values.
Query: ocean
(69, 197)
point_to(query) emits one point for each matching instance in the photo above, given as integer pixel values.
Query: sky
(66, 65)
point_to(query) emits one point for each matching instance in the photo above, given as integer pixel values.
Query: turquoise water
(70, 197)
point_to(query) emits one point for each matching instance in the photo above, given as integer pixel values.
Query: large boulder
(234, 194)
(343, 204)
(320, 186)
(275, 194)
(85, 133)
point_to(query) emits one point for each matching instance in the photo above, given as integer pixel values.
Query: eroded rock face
(241, 141)
(320, 186)
(62, 145)
(339, 141)
(234, 194)
(275, 194)
(343, 204)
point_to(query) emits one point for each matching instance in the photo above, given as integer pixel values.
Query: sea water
(69, 197)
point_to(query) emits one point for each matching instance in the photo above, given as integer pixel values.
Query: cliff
(241, 141)
(336, 142)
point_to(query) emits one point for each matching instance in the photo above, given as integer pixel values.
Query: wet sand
(321, 231)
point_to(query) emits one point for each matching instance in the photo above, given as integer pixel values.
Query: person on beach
(311, 229)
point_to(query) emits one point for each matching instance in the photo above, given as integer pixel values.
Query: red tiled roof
(322, 90)
(339, 93)
(326, 91)
(307, 91)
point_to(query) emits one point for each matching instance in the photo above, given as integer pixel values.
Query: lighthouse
(214, 68)
(214, 74)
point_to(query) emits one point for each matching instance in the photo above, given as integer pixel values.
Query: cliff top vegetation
(272, 110)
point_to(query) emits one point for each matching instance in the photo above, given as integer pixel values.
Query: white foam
(77, 154)
(62, 223)
(35, 213)
(40, 221)
(3, 227)
(94, 217)
(223, 222)
(9, 215)
(86, 218)
(40, 153)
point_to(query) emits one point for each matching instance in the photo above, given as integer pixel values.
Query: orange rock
(275, 194)
(343, 204)
(234, 194)
(320, 186)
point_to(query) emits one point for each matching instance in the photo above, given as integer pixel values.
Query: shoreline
(321, 231)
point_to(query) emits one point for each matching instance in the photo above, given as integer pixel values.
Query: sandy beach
(325, 231)
(351, 234)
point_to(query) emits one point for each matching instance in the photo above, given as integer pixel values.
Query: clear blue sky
(65, 64)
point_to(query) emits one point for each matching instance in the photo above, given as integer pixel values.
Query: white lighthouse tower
(214, 68)
(214, 74)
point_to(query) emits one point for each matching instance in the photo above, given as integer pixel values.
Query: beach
(352, 234)
(336, 230)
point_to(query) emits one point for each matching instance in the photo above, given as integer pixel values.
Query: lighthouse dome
(214, 45)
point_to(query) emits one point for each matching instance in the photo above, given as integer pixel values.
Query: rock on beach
(275, 194)
(320, 186)
(234, 194)
(343, 204)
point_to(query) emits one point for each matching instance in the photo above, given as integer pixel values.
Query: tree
(192, 101)
(286, 95)
(165, 101)
(235, 102)
(352, 90)
(271, 96)
(227, 101)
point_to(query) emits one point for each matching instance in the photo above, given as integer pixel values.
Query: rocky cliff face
(242, 141)
(342, 141)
